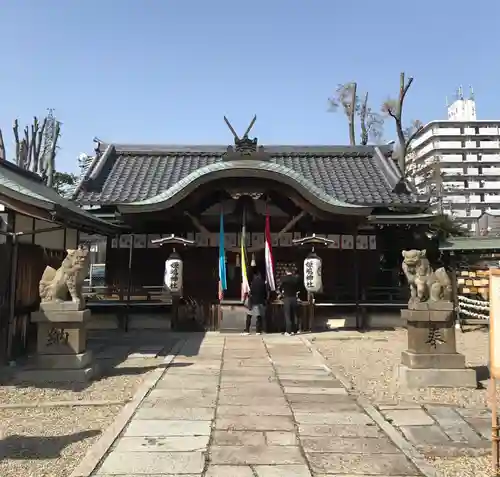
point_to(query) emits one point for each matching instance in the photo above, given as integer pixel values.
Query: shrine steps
(234, 316)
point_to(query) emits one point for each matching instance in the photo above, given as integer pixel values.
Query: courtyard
(228, 405)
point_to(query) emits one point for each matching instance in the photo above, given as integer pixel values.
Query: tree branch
(352, 111)
(15, 130)
(412, 136)
(345, 96)
(3, 156)
(394, 109)
(404, 87)
(391, 114)
(362, 120)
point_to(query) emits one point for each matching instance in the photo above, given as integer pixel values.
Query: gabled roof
(134, 175)
(27, 189)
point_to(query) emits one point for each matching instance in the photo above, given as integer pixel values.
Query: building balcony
(472, 206)
(443, 150)
(444, 136)
(471, 177)
(484, 164)
(473, 191)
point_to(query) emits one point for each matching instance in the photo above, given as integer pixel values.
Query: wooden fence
(17, 334)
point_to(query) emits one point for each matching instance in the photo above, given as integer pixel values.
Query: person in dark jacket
(290, 287)
(257, 303)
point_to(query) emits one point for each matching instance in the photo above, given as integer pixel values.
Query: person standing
(290, 287)
(257, 303)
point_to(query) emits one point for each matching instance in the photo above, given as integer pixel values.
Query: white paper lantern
(312, 274)
(173, 273)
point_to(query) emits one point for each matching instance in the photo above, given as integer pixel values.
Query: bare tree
(394, 109)
(36, 149)
(371, 123)
(50, 139)
(346, 98)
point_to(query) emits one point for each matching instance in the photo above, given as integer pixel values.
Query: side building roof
(25, 192)
(355, 176)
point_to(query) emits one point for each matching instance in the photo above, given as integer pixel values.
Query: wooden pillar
(358, 310)
(129, 281)
(454, 289)
(13, 244)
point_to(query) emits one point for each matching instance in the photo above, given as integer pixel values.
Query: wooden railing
(193, 313)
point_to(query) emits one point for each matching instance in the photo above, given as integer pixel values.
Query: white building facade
(457, 162)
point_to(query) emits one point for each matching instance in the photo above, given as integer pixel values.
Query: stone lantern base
(62, 354)
(431, 359)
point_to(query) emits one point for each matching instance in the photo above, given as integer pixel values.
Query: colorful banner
(222, 259)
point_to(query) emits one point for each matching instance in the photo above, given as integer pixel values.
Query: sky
(166, 72)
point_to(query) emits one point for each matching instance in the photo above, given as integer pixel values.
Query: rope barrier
(467, 307)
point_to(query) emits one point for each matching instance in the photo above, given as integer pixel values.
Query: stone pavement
(254, 407)
(442, 431)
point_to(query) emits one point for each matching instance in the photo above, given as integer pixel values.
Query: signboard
(495, 323)
(494, 362)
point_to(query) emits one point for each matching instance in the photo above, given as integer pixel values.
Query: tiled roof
(28, 188)
(470, 244)
(361, 175)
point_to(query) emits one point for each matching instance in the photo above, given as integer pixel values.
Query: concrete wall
(61, 239)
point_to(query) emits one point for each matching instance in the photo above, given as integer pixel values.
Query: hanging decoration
(312, 273)
(173, 273)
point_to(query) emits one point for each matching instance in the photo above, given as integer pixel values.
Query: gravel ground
(463, 466)
(370, 362)
(118, 383)
(49, 442)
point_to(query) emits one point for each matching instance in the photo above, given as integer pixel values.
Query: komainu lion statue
(425, 283)
(56, 284)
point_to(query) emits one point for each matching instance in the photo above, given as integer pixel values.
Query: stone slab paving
(255, 407)
(442, 431)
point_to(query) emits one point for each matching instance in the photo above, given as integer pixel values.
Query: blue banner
(222, 254)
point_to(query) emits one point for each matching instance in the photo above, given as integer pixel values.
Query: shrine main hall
(354, 197)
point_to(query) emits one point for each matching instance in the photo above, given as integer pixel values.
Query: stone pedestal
(431, 359)
(62, 355)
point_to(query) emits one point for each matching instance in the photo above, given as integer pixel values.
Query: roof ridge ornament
(244, 147)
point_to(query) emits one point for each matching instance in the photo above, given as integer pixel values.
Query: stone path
(442, 431)
(252, 407)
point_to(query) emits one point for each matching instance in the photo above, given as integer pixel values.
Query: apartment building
(457, 162)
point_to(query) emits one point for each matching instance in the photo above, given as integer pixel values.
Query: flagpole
(244, 262)
(222, 265)
(268, 253)
(222, 257)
